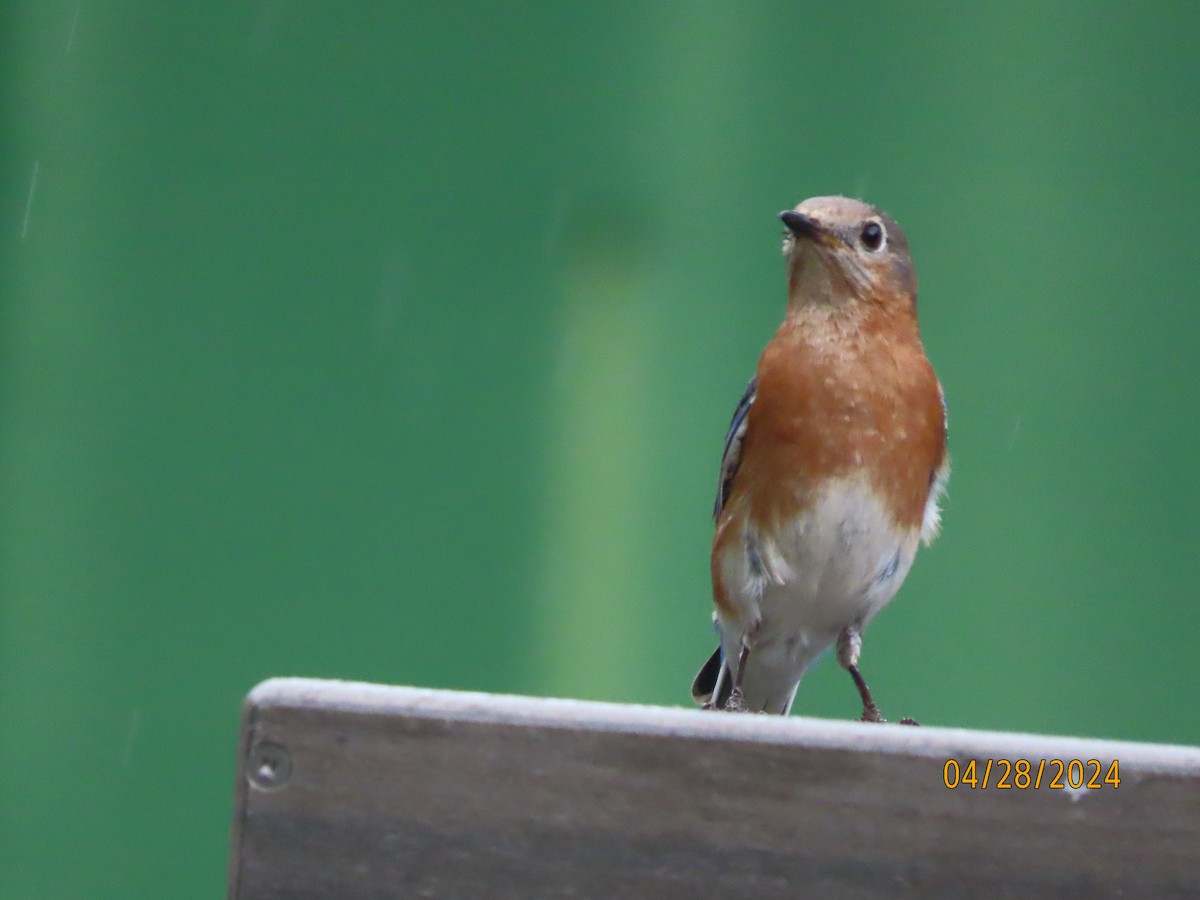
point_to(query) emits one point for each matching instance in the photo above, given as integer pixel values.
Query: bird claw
(736, 701)
(872, 714)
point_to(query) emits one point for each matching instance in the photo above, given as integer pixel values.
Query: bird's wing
(732, 455)
(931, 522)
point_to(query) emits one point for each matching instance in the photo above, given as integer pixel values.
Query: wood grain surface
(349, 790)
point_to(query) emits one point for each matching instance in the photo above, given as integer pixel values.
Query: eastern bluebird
(833, 466)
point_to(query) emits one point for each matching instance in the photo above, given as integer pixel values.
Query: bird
(834, 464)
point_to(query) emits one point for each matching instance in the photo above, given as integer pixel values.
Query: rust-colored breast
(841, 399)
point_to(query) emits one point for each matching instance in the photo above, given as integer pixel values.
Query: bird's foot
(874, 715)
(871, 713)
(736, 702)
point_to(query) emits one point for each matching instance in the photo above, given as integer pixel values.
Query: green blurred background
(397, 342)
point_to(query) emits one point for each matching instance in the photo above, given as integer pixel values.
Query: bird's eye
(872, 236)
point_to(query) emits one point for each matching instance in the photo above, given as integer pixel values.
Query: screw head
(268, 766)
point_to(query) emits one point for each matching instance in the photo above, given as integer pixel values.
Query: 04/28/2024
(1024, 774)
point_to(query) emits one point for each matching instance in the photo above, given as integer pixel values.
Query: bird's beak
(799, 224)
(803, 226)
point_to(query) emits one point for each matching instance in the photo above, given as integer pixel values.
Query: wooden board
(362, 791)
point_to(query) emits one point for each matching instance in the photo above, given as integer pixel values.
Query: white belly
(793, 591)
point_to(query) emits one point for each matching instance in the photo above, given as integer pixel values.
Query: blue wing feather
(714, 683)
(733, 445)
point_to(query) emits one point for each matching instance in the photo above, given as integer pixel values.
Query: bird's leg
(871, 712)
(849, 646)
(736, 702)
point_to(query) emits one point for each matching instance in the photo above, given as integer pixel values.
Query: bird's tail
(714, 683)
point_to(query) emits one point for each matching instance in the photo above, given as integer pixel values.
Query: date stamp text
(1031, 774)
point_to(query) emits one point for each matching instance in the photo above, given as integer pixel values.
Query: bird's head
(842, 251)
